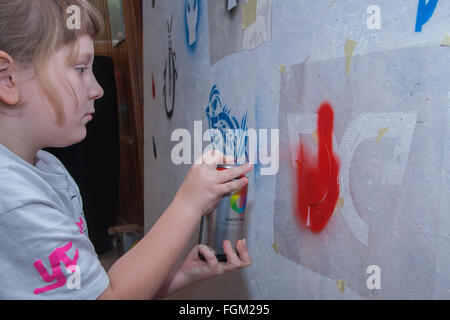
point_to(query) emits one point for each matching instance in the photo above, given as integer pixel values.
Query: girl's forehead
(86, 41)
(85, 47)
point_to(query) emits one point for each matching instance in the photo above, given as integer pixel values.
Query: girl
(47, 94)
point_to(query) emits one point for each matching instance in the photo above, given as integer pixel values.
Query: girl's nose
(97, 92)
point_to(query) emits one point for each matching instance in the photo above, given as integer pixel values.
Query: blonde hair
(33, 30)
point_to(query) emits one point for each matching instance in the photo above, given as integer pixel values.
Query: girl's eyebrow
(85, 56)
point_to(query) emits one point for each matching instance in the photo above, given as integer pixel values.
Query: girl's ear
(9, 93)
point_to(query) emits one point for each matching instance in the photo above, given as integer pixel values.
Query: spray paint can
(226, 222)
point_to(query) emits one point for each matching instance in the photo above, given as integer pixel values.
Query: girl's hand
(194, 269)
(204, 186)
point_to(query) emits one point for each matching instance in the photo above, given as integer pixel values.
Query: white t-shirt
(45, 252)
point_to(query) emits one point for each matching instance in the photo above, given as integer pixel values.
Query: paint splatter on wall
(318, 176)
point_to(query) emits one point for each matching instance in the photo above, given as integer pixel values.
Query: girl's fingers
(233, 173)
(235, 185)
(210, 257)
(243, 252)
(206, 252)
(233, 261)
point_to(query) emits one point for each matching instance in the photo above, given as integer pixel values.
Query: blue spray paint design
(219, 118)
(425, 11)
(192, 13)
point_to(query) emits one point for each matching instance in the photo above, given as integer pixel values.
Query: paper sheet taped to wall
(245, 27)
(389, 178)
(249, 13)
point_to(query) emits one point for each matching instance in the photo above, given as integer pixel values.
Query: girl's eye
(81, 70)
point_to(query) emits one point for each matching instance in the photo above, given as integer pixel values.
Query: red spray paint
(318, 176)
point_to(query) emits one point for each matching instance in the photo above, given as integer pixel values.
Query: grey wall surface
(392, 135)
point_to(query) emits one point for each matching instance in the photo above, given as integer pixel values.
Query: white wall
(279, 70)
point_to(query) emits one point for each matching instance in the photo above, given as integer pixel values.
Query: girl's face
(86, 88)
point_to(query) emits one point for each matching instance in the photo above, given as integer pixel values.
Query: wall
(388, 86)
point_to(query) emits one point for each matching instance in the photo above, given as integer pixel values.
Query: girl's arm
(140, 273)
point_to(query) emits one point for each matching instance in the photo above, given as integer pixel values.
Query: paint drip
(153, 87)
(318, 175)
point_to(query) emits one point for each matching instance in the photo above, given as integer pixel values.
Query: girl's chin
(65, 140)
(77, 138)
(82, 135)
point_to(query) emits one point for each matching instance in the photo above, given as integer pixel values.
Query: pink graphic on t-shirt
(58, 255)
(81, 225)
